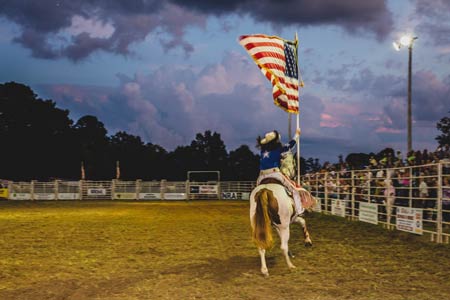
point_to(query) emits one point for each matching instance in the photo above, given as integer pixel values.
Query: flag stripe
(277, 60)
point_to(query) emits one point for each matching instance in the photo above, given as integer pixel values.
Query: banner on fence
(230, 195)
(96, 192)
(20, 196)
(149, 196)
(409, 220)
(125, 196)
(318, 207)
(68, 196)
(4, 193)
(208, 189)
(44, 196)
(175, 196)
(368, 212)
(338, 208)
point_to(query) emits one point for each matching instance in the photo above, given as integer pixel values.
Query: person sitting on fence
(270, 159)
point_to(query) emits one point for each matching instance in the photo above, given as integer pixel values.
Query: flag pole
(298, 112)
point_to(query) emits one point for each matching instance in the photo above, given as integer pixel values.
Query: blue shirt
(272, 159)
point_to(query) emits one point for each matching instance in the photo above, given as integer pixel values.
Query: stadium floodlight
(407, 41)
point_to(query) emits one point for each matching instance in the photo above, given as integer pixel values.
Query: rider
(271, 150)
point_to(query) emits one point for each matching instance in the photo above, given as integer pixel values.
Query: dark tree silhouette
(443, 126)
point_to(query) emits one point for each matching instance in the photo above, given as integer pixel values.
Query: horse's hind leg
(302, 222)
(262, 254)
(284, 237)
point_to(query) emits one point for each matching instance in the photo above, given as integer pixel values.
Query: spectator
(446, 200)
(423, 191)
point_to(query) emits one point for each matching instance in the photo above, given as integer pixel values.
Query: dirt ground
(202, 250)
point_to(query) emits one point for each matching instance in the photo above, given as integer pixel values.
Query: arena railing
(394, 197)
(414, 199)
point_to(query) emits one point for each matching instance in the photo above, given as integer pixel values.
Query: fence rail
(414, 199)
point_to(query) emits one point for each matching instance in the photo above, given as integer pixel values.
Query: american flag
(277, 59)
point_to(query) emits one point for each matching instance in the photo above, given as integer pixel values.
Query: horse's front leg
(302, 222)
(262, 254)
(284, 237)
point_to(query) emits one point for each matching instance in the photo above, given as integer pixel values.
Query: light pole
(408, 41)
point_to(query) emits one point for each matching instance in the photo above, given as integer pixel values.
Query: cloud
(75, 29)
(434, 22)
(353, 15)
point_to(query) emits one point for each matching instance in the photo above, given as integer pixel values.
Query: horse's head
(288, 164)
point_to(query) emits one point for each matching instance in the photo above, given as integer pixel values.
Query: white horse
(271, 205)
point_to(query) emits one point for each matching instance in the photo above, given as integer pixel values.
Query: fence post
(138, 188)
(56, 189)
(163, 189)
(353, 189)
(439, 205)
(325, 191)
(410, 186)
(80, 187)
(32, 189)
(188, 190)
(113, 189)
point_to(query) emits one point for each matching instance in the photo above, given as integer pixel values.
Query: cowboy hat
(270, 136)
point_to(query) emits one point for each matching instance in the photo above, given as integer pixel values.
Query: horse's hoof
(308, 244)
(290, 254)
(292, 267)
(266, 274)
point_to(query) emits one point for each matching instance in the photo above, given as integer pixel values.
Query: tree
(38, 135)
(444, 126)
(243, 163)
(94, 148)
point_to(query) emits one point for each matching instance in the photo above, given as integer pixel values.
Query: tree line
(38, 141)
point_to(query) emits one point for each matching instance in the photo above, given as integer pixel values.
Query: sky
(168, 69)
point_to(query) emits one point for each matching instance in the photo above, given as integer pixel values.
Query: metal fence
(127, 190)
(414, 199)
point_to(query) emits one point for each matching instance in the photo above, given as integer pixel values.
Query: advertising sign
(338, 208)
(175, 196)
(230, 195)
(368, 212)
(149, 196)
(20, 196)
(318, 206)
(96, 192)
(208, 189)
(68, 196)
(4, 193)
(409, 220)
(125, 196)
(44, 196)
(245, 196)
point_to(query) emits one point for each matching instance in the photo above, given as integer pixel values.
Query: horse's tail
(262, 229)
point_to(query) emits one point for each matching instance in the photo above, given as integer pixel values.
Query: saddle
(276, 181)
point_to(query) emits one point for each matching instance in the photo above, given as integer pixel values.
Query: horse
(270, 205)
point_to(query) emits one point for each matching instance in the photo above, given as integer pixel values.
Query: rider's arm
(293, 142)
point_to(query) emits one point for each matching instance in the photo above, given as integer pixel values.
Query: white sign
(208, 189)
(245, 196)
(409, 220)
(96, 192)
(126, 196)
(230, 195)
(20, 196)
(175, 196)
(68, 196)
(368, 212)
(318, 206)
(338, 208)
(45, 196)
(149, 196)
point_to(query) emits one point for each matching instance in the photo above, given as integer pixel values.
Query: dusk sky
(168, 69)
